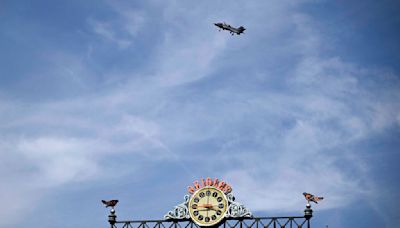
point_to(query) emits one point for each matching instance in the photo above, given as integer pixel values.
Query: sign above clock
(209, 202)
(223, 186)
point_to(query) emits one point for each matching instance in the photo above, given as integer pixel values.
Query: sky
(134, 100)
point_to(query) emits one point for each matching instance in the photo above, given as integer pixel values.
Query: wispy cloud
(122, 29)
(332, 105)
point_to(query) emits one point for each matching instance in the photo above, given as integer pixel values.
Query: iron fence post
(112, 217)
(308, 214)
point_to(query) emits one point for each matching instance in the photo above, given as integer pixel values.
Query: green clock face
(208, 206)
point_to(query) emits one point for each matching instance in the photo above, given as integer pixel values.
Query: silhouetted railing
(254, 222)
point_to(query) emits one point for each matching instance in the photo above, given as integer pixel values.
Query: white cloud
(107, 31)
(67, 143)
(60, 160)
(122, 29)
(182, 62)
(334, 105)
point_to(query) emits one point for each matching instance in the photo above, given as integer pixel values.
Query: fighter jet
(231, 29)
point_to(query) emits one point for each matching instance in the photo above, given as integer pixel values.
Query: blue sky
(134, 100)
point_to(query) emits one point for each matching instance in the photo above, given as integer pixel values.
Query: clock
(208, 206)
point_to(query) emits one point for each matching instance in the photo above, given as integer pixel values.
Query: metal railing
(254, 222)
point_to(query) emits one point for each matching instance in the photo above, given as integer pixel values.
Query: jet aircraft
(231, 29)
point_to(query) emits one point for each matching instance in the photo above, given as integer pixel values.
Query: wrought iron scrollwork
(180, 211)
(235, 209)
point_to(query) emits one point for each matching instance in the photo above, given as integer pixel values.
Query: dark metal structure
(254, 222)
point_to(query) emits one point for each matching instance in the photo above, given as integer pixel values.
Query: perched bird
(309, 197)
(110, 203)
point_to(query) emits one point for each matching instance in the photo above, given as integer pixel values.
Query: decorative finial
(308, 211)
(112, 217)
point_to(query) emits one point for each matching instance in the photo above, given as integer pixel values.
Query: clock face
(208, 206)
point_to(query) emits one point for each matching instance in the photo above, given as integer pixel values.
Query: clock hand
(205, 205)
(214, 207)
(206, 209)
(208, 200)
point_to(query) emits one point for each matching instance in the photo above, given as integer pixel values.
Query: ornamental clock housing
(209, 202)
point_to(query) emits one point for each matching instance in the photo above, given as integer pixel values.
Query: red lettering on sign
(227, 189)
(223, 186)
(203, 182)
(196, 184)
(191, 189)
(209, 181)
(216, 182)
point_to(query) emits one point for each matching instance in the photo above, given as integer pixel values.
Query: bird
(310, 197)
(110, 203)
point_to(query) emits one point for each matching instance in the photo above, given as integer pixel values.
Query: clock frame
(208, 206)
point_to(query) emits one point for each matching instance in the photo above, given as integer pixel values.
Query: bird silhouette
(310, 197)
(110, 203)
